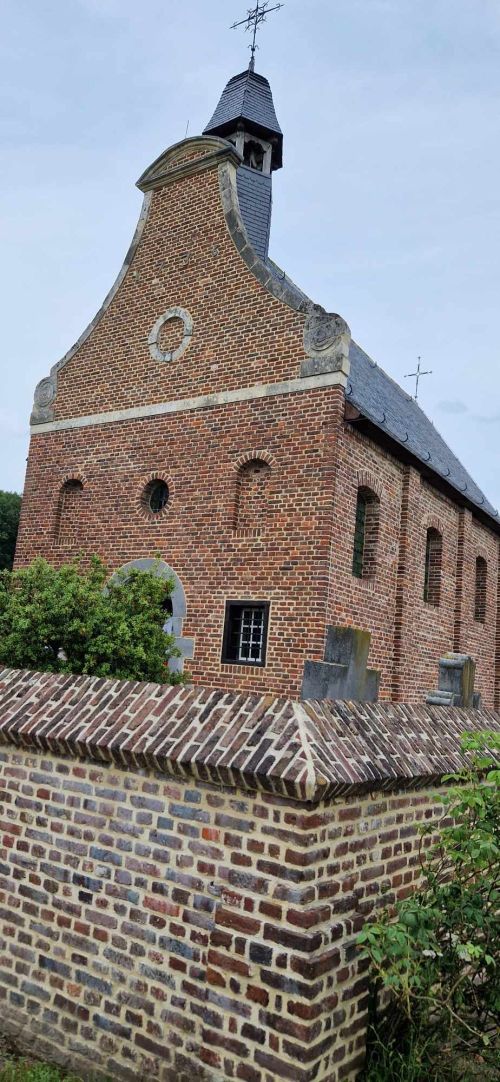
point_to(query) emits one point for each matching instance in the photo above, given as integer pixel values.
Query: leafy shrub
(26, 1071)
(76, 621)
(437, 953)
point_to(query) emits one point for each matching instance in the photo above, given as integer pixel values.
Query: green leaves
(72, 619)
(438, 952)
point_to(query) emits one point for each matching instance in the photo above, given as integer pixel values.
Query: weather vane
(256, 16)
(416, 375)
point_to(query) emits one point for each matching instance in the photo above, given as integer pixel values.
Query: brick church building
(213, 414)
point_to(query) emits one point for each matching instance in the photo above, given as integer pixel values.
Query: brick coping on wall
(306, 751)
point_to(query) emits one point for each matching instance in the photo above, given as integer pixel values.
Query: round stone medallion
(45, 393)
(159, 354)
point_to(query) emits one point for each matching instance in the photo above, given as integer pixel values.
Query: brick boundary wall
(183, 872)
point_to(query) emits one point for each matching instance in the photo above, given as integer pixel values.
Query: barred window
(480, 592)
(245, 633)
(433, 567)
(366, 530)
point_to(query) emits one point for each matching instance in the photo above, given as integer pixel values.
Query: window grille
(245, 633)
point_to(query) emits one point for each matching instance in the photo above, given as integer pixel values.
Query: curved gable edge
(327, 336)
(46, 390)
(238, 233)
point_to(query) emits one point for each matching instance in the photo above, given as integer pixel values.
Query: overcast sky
(387, 209)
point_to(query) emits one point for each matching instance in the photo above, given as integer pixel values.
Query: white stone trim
(205, 401)
(154, 338)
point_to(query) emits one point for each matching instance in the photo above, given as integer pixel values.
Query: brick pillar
(407, 583)
(334, 432)
(464, 601)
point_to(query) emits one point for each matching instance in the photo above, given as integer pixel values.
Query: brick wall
(199, 454)
(161, 929)
(408, 634)
(183, 873)
(242, 335)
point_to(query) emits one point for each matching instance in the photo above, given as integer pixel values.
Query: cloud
(482, 420)
(452, 407)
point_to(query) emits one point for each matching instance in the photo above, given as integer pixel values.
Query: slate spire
(246, 116)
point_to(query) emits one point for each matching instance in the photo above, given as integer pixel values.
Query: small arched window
(433, 566)
(252, 495)
(253, 155)
(480, 590)
(366, 529)
(68, 525)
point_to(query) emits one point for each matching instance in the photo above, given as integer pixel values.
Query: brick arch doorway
(175, 620)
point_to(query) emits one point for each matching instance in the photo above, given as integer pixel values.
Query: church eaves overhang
(306, 751)
(396, 416)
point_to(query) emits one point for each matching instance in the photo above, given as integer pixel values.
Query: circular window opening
(156, 497)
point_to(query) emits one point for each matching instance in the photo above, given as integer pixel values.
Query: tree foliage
(78, 621)
(10, 509)
(437, 953)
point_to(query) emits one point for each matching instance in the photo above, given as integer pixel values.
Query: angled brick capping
(183, 871)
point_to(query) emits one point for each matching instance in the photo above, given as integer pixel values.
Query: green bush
(437, 953)
(78, 621)
(26, 1071)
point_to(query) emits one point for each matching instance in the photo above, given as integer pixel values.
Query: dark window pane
(433, 561)
(155, 496)
(245, 633)
(480, 593)
(359, 537)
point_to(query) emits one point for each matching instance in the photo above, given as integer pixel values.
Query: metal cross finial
(416, 375)
(256, 16)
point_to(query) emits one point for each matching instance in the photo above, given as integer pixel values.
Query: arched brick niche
(252, 496)
(69, 513)
(480, 589)
(175, 620)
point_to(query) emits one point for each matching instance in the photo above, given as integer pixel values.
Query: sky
(387, 209)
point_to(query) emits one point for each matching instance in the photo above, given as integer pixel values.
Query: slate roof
(248, 97)
(255, 199)
(380, 399)
(308, 751)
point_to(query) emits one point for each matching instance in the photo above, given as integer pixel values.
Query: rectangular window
(359, 537)
(245, 633)
(433, 562)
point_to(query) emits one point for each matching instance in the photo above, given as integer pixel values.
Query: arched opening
(480, 590)
(253, 154)
(366, 531)
(68, 520)
(175, 607)
(252, 495)
(433, 567)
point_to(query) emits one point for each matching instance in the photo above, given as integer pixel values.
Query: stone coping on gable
(305, 751)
